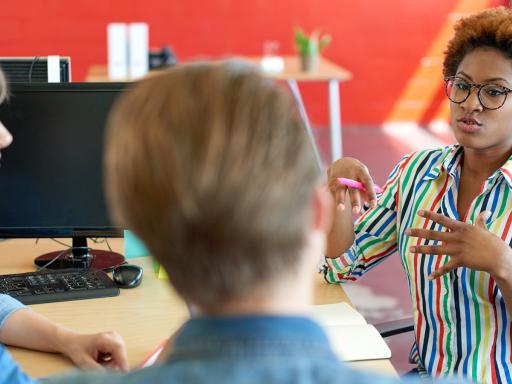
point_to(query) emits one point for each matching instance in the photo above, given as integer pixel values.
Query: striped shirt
(461, 324)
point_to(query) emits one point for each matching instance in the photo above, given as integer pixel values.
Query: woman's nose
(472, 103)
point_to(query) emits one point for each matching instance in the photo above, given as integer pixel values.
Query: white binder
(138, 50)
(117, 36)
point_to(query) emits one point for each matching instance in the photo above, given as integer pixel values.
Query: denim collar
(208, 333)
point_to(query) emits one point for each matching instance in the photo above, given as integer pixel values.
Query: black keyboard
(61, 285)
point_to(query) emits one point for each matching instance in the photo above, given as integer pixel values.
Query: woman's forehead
(485, 63)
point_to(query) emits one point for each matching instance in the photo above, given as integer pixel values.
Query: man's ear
(322, 208)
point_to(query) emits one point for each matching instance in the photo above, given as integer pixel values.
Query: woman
(448, 214)
(21, 327)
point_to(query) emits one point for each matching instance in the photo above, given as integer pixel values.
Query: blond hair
(210, 165)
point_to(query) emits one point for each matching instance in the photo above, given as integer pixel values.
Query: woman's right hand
(351, 168)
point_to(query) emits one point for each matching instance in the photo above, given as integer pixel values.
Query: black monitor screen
(51, 175)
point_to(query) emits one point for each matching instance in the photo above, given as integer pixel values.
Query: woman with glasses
(447, 212)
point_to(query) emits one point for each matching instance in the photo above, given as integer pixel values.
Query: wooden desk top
(327, 70)
(142, 316)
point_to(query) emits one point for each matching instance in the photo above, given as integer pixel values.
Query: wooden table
(327, 71)
(142, 316)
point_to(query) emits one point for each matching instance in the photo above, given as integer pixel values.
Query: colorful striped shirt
(461, 325)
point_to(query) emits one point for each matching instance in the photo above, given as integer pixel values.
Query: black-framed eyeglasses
(491, 96)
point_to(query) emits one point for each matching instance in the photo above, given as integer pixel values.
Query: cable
(34, 61)
(61, 243)
(53, 260)
(103, 240)
(108, 245)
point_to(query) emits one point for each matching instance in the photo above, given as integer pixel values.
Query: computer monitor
(51, 182)
(36, 69)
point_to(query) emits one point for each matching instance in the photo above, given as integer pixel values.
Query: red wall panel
(381, 42)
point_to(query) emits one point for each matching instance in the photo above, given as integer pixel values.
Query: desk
(327, 71)
(142, 316)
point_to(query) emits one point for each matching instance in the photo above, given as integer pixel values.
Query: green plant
(310, 45)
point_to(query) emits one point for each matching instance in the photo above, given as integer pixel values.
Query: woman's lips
(468, 125)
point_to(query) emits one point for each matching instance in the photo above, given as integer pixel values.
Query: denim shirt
(245, 349)
(10, 372)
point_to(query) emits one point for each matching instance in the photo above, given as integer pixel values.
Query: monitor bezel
(62, 232)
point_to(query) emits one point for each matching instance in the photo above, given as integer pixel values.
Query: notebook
(351, 337)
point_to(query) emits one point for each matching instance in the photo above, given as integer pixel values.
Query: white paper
(336, 314)
(350, 336)
(53, 68)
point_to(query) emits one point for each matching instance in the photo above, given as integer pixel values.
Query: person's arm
(341, 235)
(347, 201)
(24, 328)
(502, 276)
(374, 233)
(10, 371)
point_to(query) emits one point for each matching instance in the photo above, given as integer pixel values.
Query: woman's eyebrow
(497, 79)
(485, 81)
(464, 74)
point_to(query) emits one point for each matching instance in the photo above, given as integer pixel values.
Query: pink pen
(356, 184)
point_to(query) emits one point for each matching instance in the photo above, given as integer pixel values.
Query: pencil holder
(133, 246)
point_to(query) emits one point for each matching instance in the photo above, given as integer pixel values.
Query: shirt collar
(447, 162)
(506, 171)
(207, 331)
(450, 160)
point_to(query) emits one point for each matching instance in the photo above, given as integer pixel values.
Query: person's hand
(471, 246)
(351, 168)
(97, 351)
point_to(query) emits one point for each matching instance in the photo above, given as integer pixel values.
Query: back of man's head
(210, 165)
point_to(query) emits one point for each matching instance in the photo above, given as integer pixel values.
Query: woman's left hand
(471, 246)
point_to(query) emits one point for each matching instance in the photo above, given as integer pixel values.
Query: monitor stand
(80, 256)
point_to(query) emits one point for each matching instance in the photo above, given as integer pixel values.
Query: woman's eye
(463, 86)
(494, 91)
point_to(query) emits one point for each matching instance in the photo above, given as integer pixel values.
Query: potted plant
(309, 47)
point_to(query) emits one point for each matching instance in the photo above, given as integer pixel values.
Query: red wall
(381, 42)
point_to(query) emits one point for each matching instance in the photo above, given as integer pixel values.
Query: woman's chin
(469, 139)
(480, 145)
(470, 142)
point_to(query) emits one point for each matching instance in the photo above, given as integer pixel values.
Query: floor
(382, 295)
